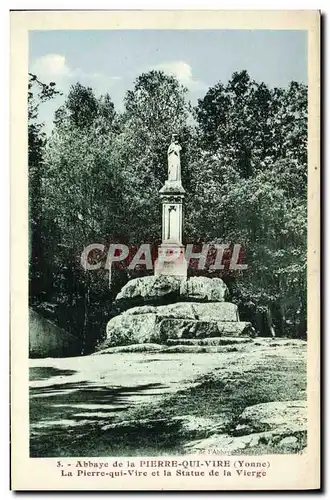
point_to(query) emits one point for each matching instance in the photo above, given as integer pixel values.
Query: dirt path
(74, 399)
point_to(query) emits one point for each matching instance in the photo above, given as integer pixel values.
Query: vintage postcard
(165, 211)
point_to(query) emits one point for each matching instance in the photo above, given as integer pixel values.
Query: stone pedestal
(171, 259)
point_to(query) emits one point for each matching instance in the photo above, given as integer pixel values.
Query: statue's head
(174, 138)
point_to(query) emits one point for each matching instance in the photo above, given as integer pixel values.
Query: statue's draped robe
(174, 168)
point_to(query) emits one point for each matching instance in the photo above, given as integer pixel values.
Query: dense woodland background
(96, 179)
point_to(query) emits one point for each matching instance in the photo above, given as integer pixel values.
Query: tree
(254, 191)
(155, 108)
(289, 114)
(38, 93)
(235, 119)
(81, 106)
(82, 193)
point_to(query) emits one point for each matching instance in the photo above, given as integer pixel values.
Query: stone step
(180, 348)
(204, 349)
(209, 341)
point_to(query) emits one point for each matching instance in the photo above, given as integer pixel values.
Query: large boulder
(149, 289)
(127, 329)
(170, 328)
(161, 289)
(201, 288)
(185, 329)
(157, 324)
(211, 311)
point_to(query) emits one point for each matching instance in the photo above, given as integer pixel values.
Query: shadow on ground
(71, 419)
(45, 372)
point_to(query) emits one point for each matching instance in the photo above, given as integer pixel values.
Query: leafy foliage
(38, 93)
(244, 167)
(256, 181)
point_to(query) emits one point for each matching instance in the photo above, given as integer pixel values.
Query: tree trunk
(270, 321)
(86, 311)
(283, 319)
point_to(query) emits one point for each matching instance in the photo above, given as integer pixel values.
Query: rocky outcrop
(170, 289)
(192, 426)
(156, 309)
(281, 424)
(270, 416)
(48, 340)
(158, 324)
(225, 444)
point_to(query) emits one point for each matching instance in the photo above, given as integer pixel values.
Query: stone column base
(171, 260)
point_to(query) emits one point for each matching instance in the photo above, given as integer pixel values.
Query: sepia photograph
(168, 183)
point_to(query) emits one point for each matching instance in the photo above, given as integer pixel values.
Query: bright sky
(109, 61)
